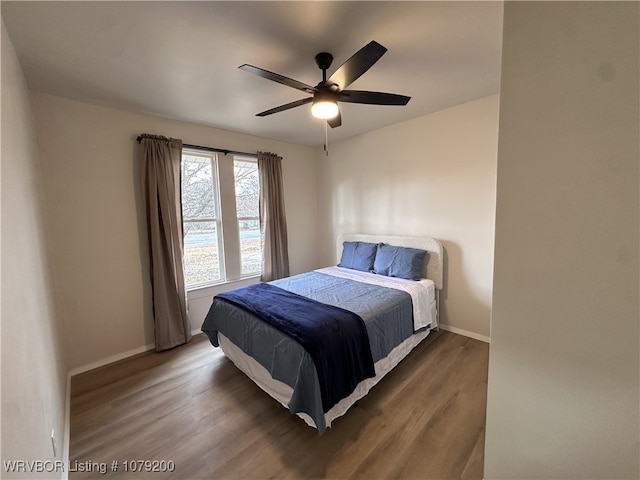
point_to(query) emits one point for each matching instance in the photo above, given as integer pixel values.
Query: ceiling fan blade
(359, 63)
(335, 121)
(372, 98)
(284, 107)
(289, 82)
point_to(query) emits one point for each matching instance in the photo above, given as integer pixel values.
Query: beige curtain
(273, 222)
(161, 187)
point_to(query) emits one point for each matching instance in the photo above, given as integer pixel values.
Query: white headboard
(433, 267)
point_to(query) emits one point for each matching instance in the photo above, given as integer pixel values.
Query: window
(201, 219)
(247, 187)
(221, 236)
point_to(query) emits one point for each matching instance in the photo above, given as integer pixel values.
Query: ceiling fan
(329, 92)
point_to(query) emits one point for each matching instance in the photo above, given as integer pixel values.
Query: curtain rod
(210, 149)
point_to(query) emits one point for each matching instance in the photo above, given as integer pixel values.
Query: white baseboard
(111, 359)
(119, 356)
(465, 333)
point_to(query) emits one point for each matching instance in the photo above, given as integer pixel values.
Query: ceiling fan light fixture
(323, 108)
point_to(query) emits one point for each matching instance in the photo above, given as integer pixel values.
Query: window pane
(247, 185)
(250, 248)
(201, 253)
(247, 188)
(198, 194)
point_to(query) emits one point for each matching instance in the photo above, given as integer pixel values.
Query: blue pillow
(358, 255)
(400, 262)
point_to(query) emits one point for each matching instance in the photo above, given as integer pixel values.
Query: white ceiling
(180, 59)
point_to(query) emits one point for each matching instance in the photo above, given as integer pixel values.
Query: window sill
(210, 290)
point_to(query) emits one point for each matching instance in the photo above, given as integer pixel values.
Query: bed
(317, 342)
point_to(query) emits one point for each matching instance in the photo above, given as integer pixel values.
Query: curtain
(273, 222)
(161, 186)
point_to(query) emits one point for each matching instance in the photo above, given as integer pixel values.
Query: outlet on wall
(53, 442)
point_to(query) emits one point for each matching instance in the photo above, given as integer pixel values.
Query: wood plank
(192, 406)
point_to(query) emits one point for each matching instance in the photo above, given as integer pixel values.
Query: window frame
(217, 220)
(227, 226)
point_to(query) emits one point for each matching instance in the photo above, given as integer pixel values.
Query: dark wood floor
(191, 406)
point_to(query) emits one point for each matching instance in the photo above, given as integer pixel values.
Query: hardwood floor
(191, 406)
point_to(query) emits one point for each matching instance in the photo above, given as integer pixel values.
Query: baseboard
(111, 359)
(465, 333)
(119, 356)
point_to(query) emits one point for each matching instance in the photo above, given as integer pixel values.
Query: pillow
(358, 255)
(400, 262)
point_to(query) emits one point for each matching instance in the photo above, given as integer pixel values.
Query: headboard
(433, 268)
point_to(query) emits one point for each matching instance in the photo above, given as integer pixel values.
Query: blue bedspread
(336, 339)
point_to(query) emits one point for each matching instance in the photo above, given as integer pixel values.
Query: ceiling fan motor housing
(324, 60)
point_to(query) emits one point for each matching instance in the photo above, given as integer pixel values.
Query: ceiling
(180, 59)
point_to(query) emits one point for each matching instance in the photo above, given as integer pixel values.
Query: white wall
(434, 175)
(90, 162)
(33, 369)
(564, 368)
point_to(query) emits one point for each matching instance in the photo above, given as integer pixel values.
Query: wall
(90, 162)
(33, 370)
(434, 175)
(564, 368)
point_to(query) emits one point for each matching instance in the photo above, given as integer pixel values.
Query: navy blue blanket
(336, 339)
